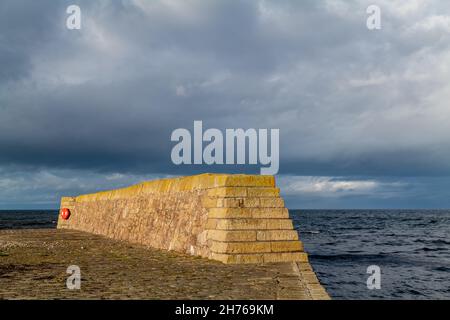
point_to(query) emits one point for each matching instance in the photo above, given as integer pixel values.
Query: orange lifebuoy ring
(65, 213)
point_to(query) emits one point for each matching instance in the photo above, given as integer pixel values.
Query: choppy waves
(28, 219)
(412, 248)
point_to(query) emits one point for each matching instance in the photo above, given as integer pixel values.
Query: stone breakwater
(230, 218)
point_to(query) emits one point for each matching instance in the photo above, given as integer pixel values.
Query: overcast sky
(364, 116)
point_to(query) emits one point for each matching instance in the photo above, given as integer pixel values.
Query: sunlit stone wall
(230, 218)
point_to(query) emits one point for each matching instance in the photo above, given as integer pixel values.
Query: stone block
(237, 258)
(310, 277)
(229, 213)
(279, 224)
(285, 257)
(240, 247)
(304, 267)
(272, 202)
(211, 202)
(250, 181)
(268, 213)
(241, 224)
(252, 202)
(263, 192)
(276, 235)
(250, 224)
(286, 246)
(229, 235)
(227, 192)
(232, 203)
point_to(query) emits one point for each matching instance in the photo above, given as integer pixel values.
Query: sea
(409, 248)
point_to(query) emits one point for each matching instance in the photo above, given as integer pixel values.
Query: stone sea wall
(230, 218)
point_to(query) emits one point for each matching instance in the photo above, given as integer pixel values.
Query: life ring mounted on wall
(65, 213)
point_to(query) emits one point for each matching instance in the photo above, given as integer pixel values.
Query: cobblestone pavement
(33, 265)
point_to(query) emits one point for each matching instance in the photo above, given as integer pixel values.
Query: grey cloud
(349, 102)
(31, 187)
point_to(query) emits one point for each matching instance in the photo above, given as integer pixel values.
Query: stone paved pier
(33, 265)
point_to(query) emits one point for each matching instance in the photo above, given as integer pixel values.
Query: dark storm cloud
(105, 99)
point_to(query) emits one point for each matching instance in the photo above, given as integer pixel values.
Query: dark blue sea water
(28, 219)
(411, 247)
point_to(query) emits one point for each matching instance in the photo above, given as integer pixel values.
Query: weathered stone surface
(228, 192)
(249, 181)
(250, 224)
(249, 213)
(285, 257)
(238, 258)
(286, 246)
(272, 202)
(33, 265)
(263, 192)
(239, 247)
(230, 236)
(276, 235)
